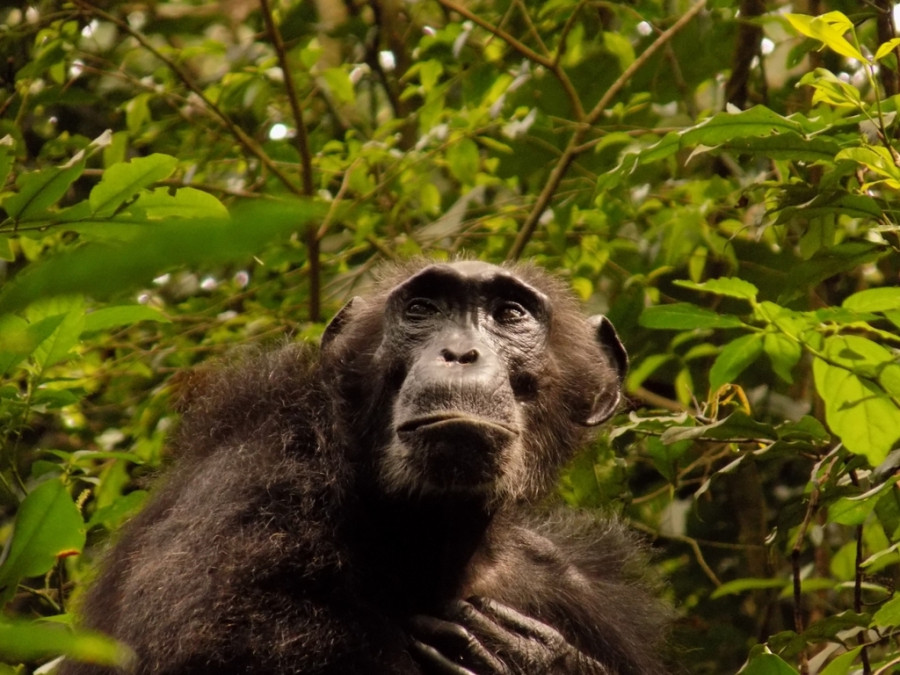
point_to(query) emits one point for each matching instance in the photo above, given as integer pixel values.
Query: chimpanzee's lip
(435, 421)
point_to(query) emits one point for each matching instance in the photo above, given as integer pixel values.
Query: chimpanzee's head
(482, 379)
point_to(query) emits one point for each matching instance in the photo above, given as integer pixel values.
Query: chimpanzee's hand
(485, 637)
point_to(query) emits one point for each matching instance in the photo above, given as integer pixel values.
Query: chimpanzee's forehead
(465, 276)
(472, 282)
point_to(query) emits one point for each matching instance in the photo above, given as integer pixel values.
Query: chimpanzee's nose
(463, 357)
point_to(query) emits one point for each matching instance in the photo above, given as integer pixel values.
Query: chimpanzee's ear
(336, 325)
(606, 400)
(610, 343)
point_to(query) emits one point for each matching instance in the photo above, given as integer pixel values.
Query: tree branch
(302, 142)
(575, 141)
(550, 64)
(248, 143)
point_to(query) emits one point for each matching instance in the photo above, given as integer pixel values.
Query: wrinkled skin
(370, 509)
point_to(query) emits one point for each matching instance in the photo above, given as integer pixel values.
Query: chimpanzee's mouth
(453, 421)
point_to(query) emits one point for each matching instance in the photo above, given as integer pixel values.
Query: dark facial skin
(467, 340)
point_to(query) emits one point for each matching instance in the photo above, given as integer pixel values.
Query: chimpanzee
(382, 507)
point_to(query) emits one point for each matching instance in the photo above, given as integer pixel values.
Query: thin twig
(550, 64)
(302, 142)
(857, 587)
(811, 509)
(571, 151)
(239, 134)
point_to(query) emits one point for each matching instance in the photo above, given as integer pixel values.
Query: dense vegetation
(721, 180)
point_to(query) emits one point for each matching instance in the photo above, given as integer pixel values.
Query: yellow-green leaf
(886, 48)
(828, 29)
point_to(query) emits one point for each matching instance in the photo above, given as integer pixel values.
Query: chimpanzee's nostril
(470, 356)
(467, 357)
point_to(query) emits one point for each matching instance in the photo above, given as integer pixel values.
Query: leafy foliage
(174, 181)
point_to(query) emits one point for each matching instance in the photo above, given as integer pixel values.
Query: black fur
(274, 545)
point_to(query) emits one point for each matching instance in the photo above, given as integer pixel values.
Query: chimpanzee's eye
(418, 309)
(509, 312)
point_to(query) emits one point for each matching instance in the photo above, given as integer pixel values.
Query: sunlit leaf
(854, 510)
(122, 182)
(767, 664)
(746, 584)
(685, 316)
(106, 270)
(874, 158)
(339, 84)
(38, 190)
(48, 526)
(888, 614)
(784, 353)
(734, 358)
(727, 286)
(829, 29)
(57, 345)
(865, 418)
(463, 161)
(120, 315)
(185, 202)
(886, 48)
(31, 641)
(874, 300)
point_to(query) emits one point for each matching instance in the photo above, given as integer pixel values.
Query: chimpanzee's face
(468, 341)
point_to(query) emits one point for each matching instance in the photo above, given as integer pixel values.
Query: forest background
(719, 178)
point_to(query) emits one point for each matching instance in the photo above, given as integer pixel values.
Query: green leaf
(875, 158)
(685, 316)
(747, 584)
(886, 48)
(827, 203)
(19, 339)
(855, 510)
(32, 641)
(828, 263)
(339, 84)
(865, 418)
(186, 202)
(48, 527)
(738, 426)
(767, 664)
(888, 614)
(734, 358)
(105, 270)
(727, 286)
(122, 182)
(874, 300)
(828, 29)
(463, 160)
(788, 145)
(723, 129)
(843, 664)
(40, 189)
(7, 157)
(120, 315)
(113, 515)
(831, 90)
(784, 353)
(65, 335)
